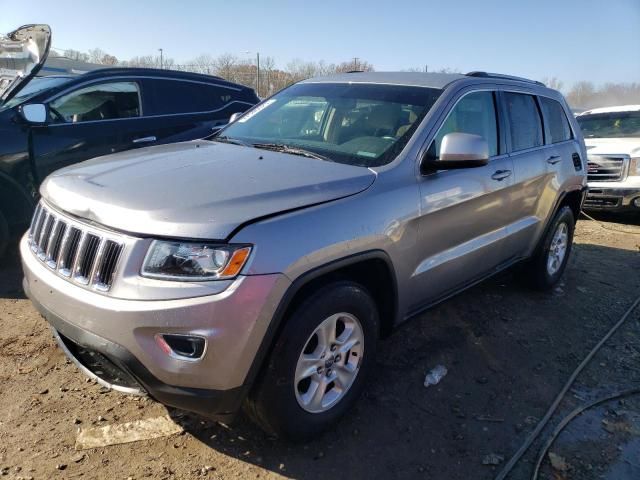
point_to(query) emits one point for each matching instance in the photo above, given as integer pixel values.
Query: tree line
(581, 95)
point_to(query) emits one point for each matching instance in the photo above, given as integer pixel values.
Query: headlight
(634, 167)
(192, 261)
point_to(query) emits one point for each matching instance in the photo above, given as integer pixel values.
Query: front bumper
(613, 196)
(123, 332)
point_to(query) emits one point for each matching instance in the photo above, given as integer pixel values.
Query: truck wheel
(319, 363)
(4, 235)
(548, 263)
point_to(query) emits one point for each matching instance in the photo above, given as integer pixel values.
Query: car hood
(613, 146)
(197, 189)
(22, 54)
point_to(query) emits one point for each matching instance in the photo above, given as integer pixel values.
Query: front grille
(602, 202)
(602, 168)
(81, 254)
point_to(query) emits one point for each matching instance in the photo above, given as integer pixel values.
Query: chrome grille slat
(82, 254)
(602, 168)
(79, 252)
(37, 229)
(45, 236)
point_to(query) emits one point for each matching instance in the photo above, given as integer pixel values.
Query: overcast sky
(570, 39)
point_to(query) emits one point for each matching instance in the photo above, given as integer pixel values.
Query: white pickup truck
(612, 136)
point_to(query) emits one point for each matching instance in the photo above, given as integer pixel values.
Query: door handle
(500, 175)
(145, 139)
(553, 159)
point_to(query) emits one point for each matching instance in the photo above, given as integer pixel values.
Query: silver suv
(261, 267)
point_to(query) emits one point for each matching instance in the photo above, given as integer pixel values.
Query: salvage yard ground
(508, 352)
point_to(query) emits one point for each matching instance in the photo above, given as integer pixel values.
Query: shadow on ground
(508, 351)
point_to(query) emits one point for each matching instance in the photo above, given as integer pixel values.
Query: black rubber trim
(219, 405)
(276, 322)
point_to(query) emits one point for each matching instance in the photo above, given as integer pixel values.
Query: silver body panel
(441, 232)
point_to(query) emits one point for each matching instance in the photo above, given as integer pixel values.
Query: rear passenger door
(534, 194)
(180, 110)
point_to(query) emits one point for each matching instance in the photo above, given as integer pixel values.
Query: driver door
(89, 122)
(463, 219)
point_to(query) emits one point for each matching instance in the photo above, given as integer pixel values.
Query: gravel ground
(508, 352)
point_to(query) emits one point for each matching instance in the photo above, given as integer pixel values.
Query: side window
(475, 113)
(176, 96)
(524, 120)
(556, 125)
(105, 101)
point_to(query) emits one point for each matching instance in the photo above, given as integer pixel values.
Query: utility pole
(161, 62)
(426, 68)
(355, 63)
(258, 73)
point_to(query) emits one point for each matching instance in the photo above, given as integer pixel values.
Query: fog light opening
(183, 347)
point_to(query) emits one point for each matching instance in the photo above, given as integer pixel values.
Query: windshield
(358, 124)
(610, 125)
(34, 87)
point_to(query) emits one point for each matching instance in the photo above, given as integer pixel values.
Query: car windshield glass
(358, 124)
(33, 88)
(610, 125)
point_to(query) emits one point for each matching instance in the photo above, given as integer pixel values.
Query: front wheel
(319, 364)
(550, 260)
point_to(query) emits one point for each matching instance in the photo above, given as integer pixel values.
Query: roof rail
(504, 77)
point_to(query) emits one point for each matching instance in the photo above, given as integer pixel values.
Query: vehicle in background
(265, 264)
(50, 122)
(612, 136)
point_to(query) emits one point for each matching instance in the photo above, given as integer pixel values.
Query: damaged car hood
(197, 189)
(22, 54)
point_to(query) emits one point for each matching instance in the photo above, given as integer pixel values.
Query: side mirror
(235, 117)
(460, 150)
(34, 113)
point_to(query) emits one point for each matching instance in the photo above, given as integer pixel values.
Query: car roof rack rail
(504, 77)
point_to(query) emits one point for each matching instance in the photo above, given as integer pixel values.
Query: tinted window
(610, 125)
(105, 101)
(524, 120)
(556, 125)
(173, 96)
(358, 124)
(475, 113)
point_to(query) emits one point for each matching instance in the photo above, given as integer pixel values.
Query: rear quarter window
(524, 121)
(174, 97)
(556, 124)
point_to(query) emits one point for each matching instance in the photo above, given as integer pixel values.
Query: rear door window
(174, 96)
(556, 125)
(104, 101)
(475, 113)
(524, 121)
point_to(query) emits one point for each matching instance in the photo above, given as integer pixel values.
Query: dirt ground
(508, 352)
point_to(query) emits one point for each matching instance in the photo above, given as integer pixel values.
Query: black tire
(4, 236)
(536, 269)
(272, 404)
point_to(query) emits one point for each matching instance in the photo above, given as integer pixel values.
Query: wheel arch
(372, 269)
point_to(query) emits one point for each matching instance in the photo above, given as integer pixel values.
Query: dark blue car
(47, 123)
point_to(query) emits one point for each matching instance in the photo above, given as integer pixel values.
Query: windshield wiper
(280, 147)
(233, 141)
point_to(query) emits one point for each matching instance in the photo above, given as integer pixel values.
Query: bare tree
(553, 82)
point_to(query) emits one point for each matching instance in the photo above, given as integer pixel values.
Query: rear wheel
(319, 364)
(548, 264)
